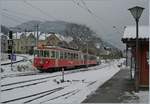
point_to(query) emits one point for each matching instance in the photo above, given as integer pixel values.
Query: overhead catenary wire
(85, 7)
(39, 9)
(13, 15)
(23, 14)
(98, 19)
(11, 18)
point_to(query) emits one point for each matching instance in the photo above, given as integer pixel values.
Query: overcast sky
(105, 14)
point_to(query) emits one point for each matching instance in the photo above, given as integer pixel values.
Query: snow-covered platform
(119, 89)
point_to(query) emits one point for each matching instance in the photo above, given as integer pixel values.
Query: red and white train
(49, 58)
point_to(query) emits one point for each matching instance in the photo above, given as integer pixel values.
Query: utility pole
(26, 40)
(34, 32)
(37, 30)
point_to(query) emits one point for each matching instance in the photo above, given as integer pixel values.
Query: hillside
(82, 35)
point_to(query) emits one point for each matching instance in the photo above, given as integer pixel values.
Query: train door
(57, 58)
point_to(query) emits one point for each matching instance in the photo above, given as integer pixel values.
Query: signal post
(10, 47)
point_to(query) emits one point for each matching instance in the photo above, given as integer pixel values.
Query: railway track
(23, 86)
(40, 80)
(38, 95)
(68, 94)
(42, 94)
(65, 95)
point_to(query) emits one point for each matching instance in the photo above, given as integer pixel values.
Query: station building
(129, 38)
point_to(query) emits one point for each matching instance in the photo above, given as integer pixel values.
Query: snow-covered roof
(130, 32)
(42, 36)
(62, 38)
(1, 34)
(17, 35)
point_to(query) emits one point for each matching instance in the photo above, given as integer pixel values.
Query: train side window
(57, 54)
(50, 53)
(69, 55)
(53, 54)
(44, 53)
(77, 56)
(85, 57)
(82, 57)
(72, 56)
(65, 55)
(61, 55)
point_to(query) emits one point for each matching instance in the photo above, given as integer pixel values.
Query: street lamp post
(136, 13)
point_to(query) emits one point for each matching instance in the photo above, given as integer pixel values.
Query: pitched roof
(2, 34)
(130, 32)
(42, 36)
(64, 38)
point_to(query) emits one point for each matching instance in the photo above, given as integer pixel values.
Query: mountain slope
(82, 35)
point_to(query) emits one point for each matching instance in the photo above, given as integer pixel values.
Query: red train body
(48, 58)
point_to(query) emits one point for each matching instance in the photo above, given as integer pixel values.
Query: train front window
(36, 53)
(46, 53)
(41, 53)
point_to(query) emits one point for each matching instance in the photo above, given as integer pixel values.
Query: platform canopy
(130, 33)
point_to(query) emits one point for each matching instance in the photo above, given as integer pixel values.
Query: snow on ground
(18, 58)
(141, 97)
(22, 67)
(75, 89)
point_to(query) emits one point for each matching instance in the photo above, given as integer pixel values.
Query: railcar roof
(56, 48)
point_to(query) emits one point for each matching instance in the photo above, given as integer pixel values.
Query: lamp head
(136, 12)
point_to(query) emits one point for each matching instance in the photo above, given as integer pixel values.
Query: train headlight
(41, 62)
(46, 62)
